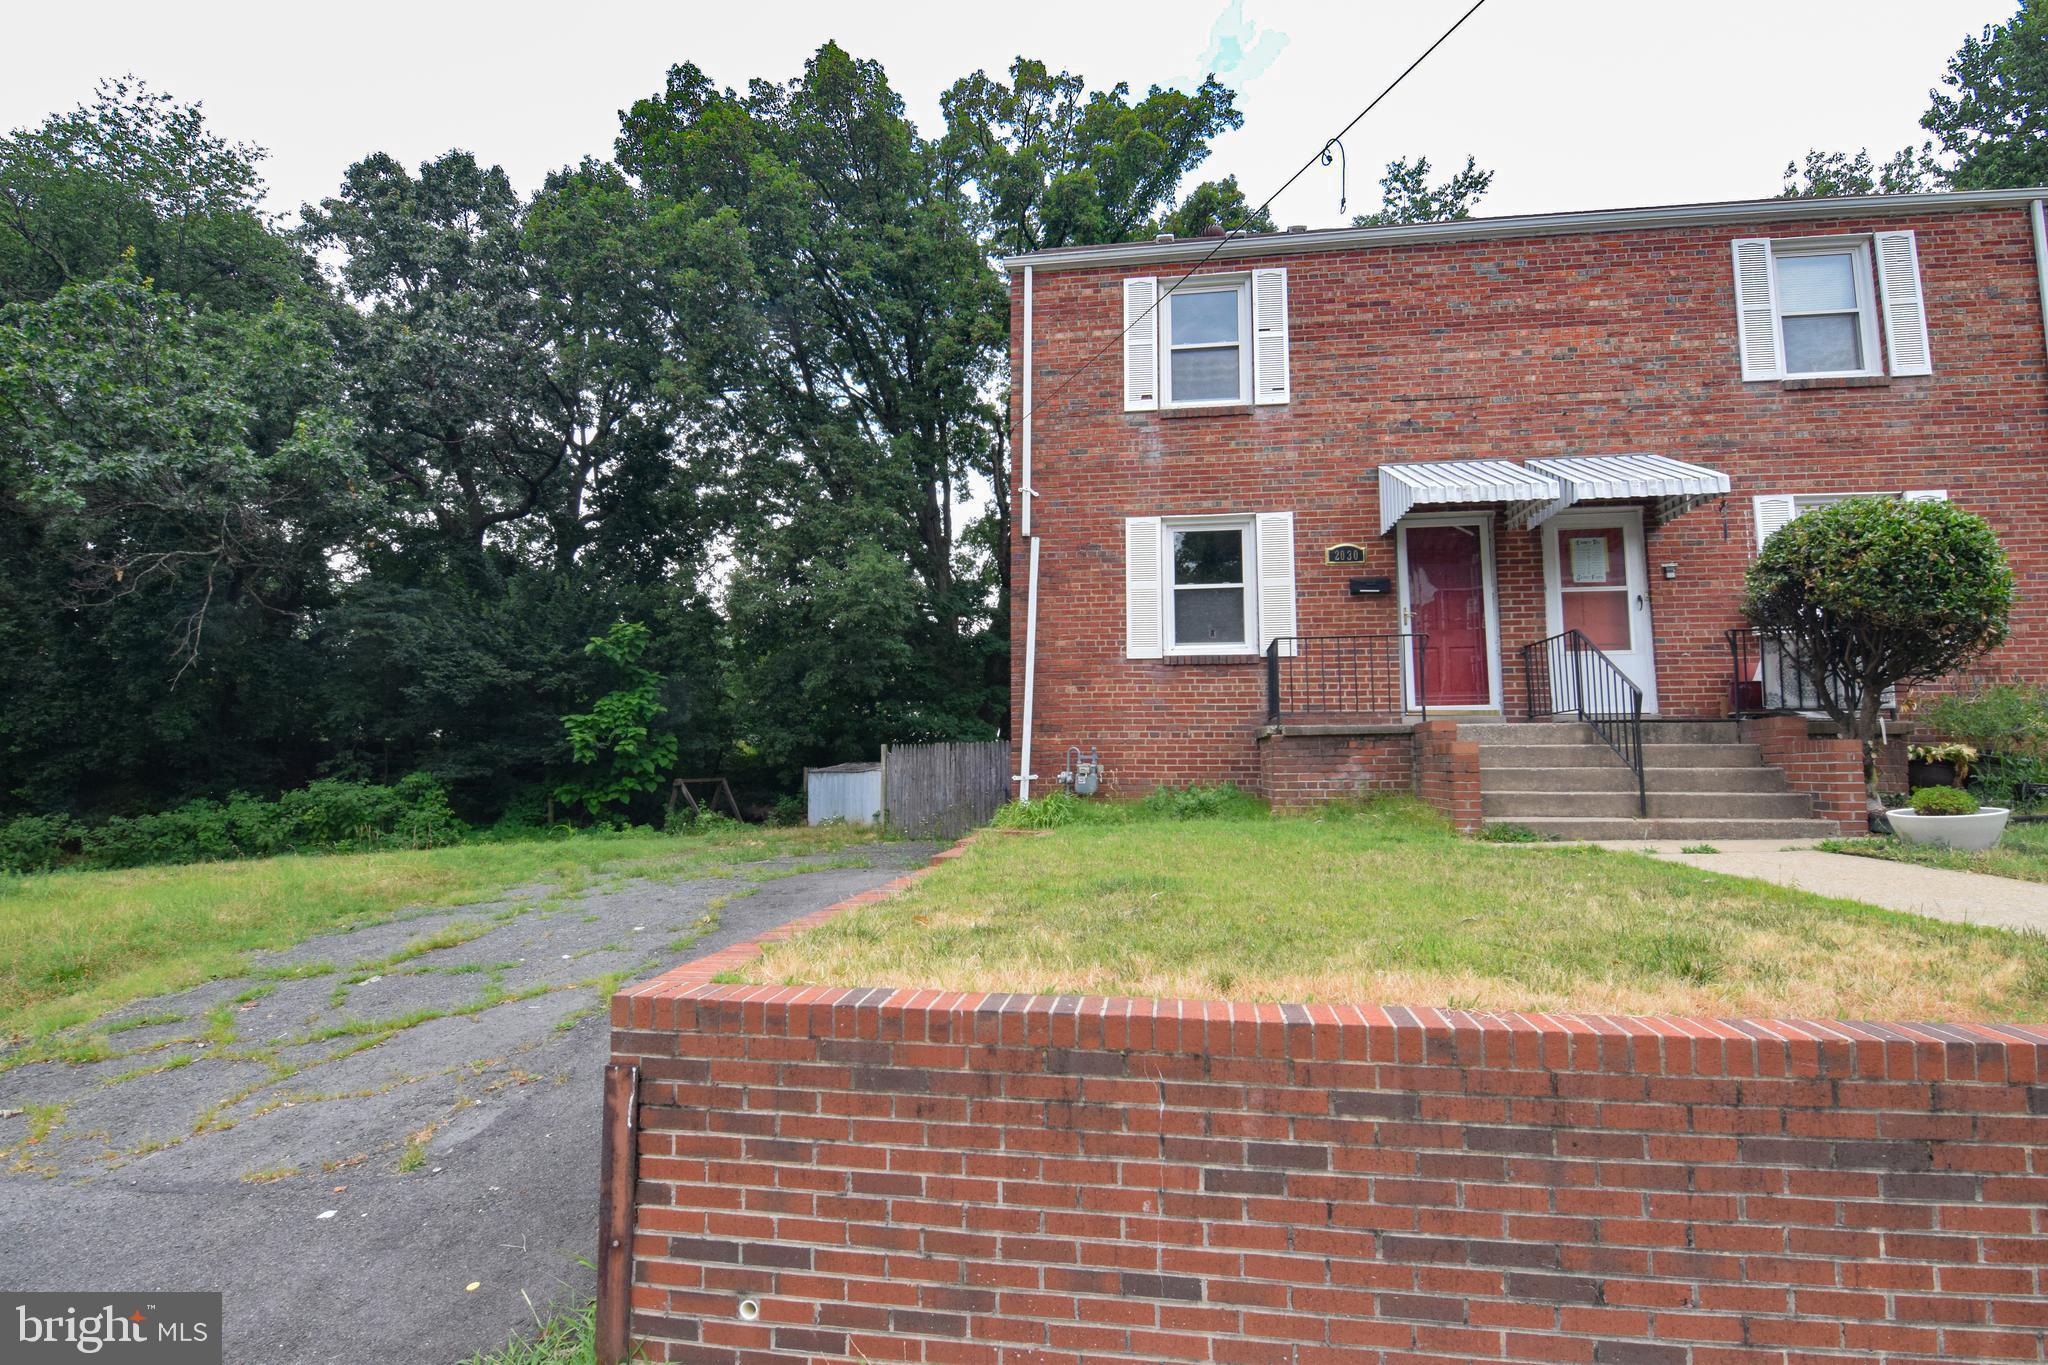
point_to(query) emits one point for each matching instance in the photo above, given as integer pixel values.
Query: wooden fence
(940, 791)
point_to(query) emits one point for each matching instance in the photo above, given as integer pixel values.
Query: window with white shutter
(1276, 580)
(1269, 336)
(1905, 310)
(1810, 308)
(1774, 510)
(1756, 313)
(1144, 636)
(1141, 344)
(1208, 585)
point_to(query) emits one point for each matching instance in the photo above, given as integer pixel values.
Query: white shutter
(1276, 580)
(1925, 495)
(1144, 628)
(1773, 510)
(1269, 336)
(1756, 309)
(1905, 311)
(1141, 344)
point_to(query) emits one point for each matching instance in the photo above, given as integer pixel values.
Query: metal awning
(1464, 483)
(1668, 486)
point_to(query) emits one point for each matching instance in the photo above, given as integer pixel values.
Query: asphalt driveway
(370, 1122)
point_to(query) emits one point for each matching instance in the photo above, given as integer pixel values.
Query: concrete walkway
(1965, 897)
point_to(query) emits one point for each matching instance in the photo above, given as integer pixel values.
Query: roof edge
(1521, 225)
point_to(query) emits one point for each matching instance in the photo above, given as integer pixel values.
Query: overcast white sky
(1575, 103)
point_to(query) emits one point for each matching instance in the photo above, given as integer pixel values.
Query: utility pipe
(2039, 218)
(1025, 494)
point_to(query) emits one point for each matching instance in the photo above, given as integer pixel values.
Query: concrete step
(1703, 830)
(1579, 732)
(1548, 756)
(1691, 732)
(1709, 755)
(1527, 732)
(1600, 756)
(1615, 778)
(1732, 805)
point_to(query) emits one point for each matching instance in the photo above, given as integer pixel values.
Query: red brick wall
(1447, 773)
(978, 1180)
(1829, 768)
(1588, 344)
(1307, 770)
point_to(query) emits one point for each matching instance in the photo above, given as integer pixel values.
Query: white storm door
(1596, 581)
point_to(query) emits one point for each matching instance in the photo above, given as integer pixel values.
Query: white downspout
(1025, 494)
(2035, 214)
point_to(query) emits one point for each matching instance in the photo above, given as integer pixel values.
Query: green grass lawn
(1387, 906)
(2022, 853)
(569, 1339)
(75, 944)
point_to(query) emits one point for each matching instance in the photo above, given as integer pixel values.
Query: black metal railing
(1344, 675)
(1569, 674)
(1766, 673)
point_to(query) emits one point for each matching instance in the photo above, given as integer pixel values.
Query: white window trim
(1248, 529)
(1208, 284)
(1866, 303)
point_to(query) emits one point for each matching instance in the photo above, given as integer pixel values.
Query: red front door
(1447, 604)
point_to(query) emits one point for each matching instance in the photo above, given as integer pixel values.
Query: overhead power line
(1314, 158)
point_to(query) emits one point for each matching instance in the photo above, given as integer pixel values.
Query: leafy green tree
(1050, 163)
(137, 176)
(1869, 593)
(446, 360)
(1911, 170)
(1406, 196)
(614, 743)
(1993, 119)
(176, 488)
(1215, 204)
(857, 415)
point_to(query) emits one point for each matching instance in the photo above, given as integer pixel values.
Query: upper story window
(1830, 307)
(1206, 358)
(1827, 320)
(1210, 341)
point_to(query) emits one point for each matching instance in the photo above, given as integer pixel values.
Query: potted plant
(1939, 765)
(1950, 817)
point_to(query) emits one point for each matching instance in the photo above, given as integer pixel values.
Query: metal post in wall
(618, 1175)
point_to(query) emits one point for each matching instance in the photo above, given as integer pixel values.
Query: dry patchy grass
(1386, 906)
(76, 944)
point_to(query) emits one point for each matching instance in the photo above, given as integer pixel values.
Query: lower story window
(1207, 564)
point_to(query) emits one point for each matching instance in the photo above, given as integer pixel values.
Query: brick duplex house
(1345, 510)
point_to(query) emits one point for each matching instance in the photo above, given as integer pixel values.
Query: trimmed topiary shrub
(1873, 592)
(1943, 801)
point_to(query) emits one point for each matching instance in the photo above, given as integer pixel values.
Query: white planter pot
(1971, 833)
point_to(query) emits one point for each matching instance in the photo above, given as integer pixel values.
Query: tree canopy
(352, 497)
(1991, 121)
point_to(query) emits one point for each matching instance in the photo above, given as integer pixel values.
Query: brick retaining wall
(1447, 773)
(930, 1176)
(1306, 770)
(1825, 766)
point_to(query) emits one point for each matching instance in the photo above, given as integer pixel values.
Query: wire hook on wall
(1343, 171)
